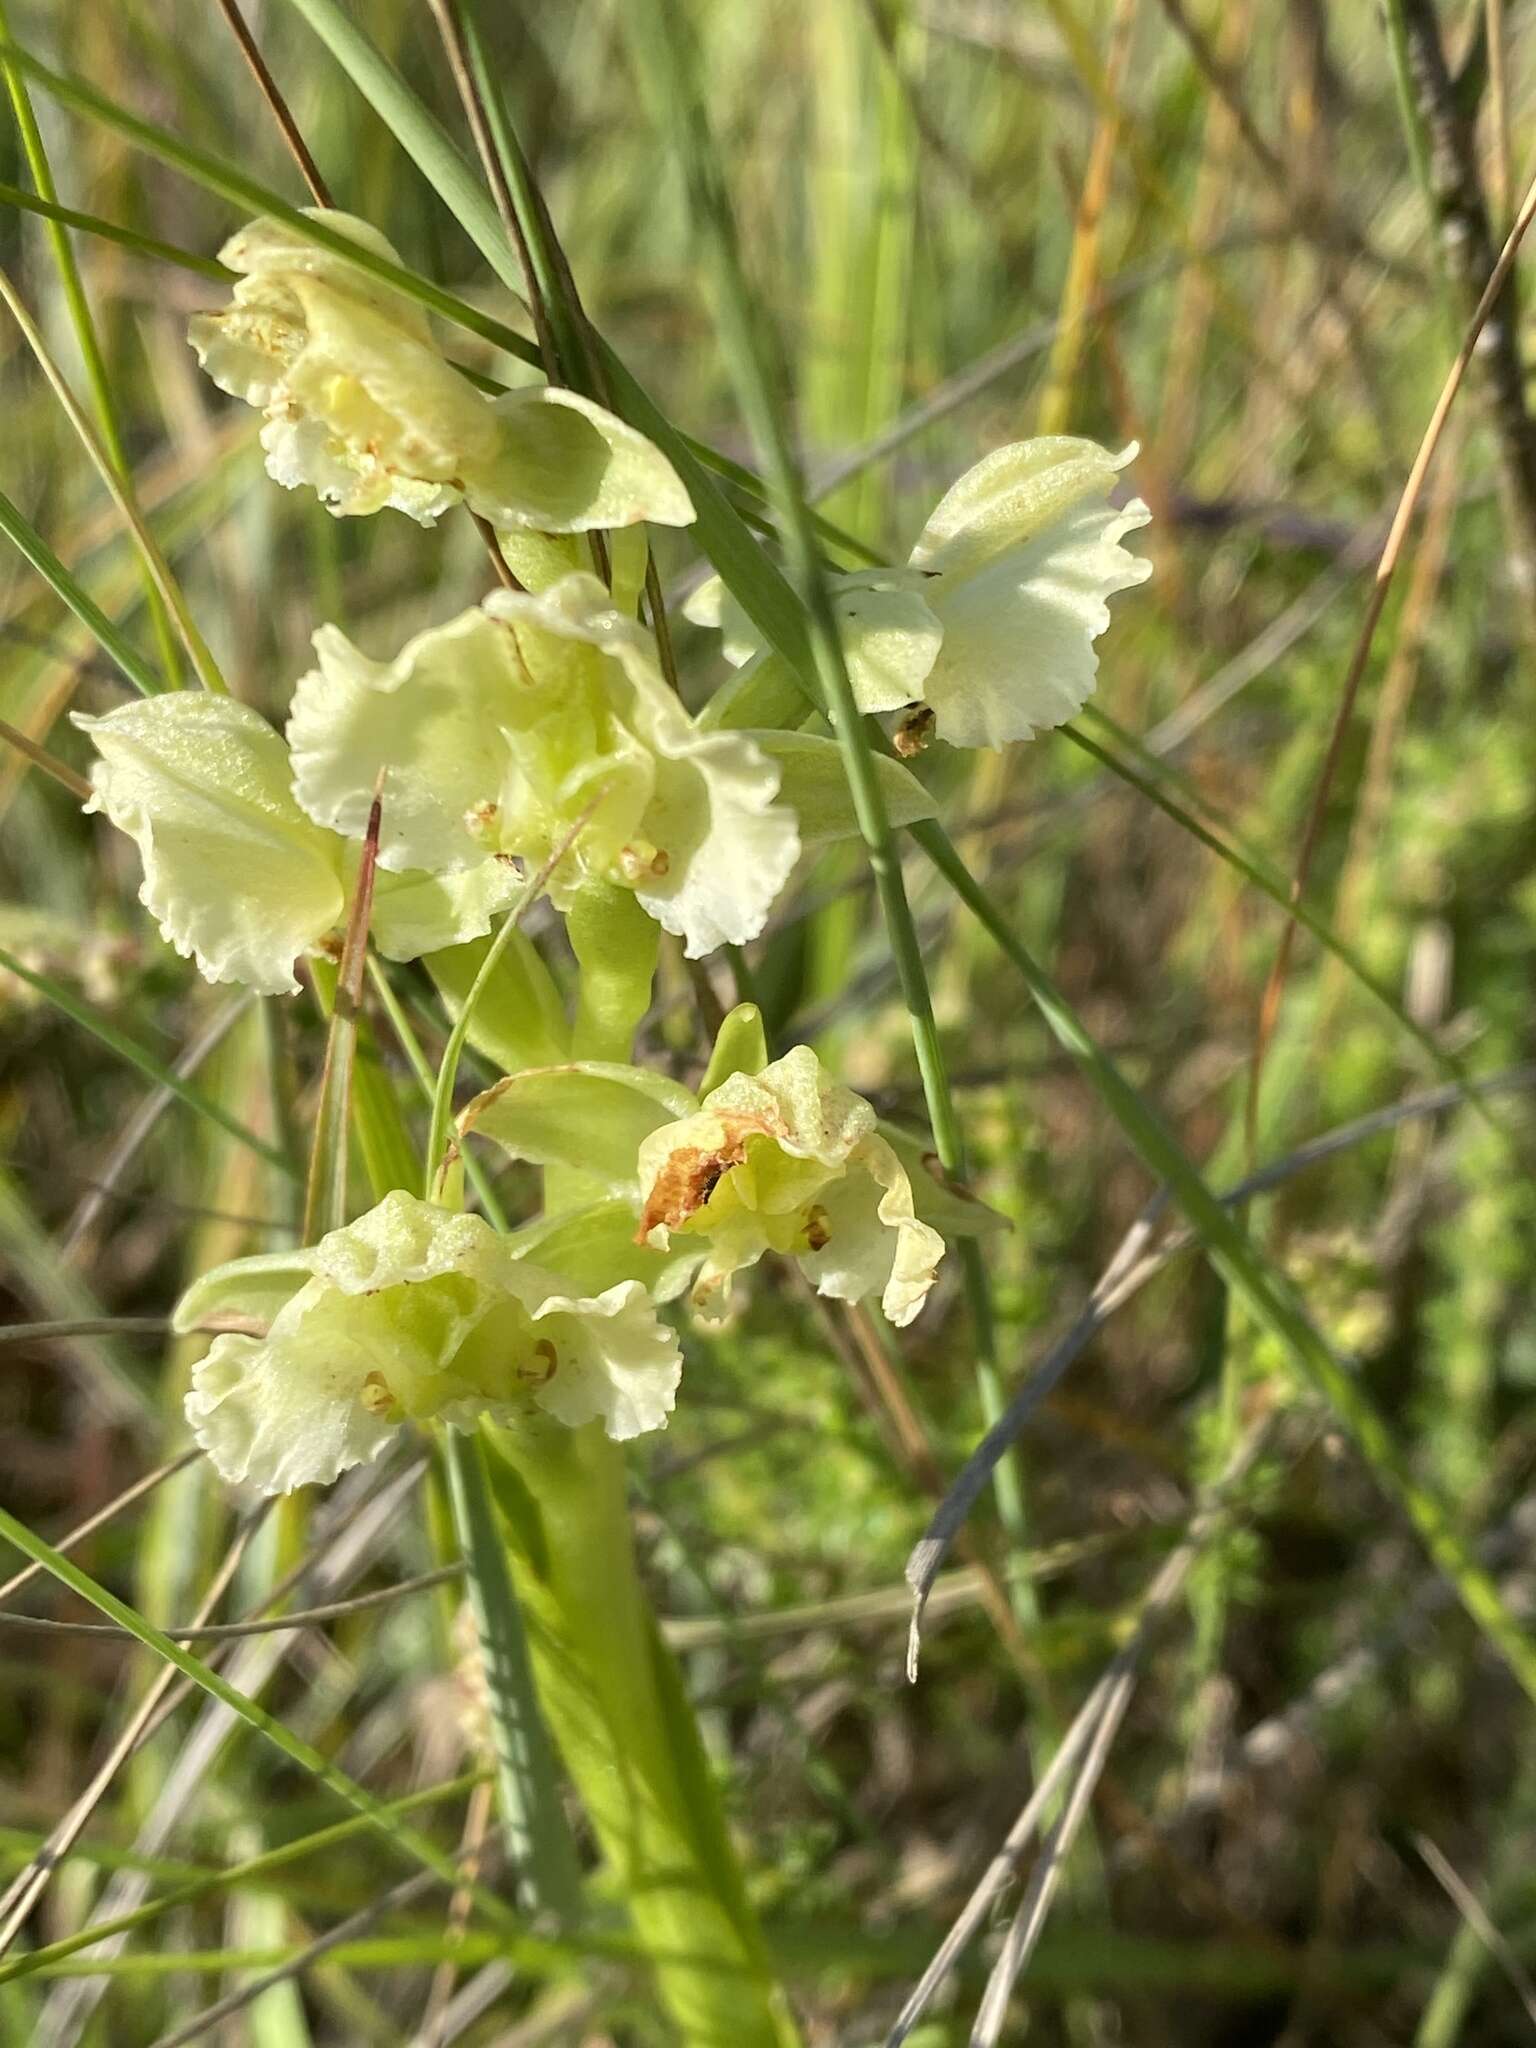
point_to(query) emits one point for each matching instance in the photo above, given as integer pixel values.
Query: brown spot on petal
(692, 1174)
(540, 1374)
(818, 1228)
(914, 731)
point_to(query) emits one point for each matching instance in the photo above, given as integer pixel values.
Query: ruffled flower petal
(235, 874)
(786, 1160)
(889, 632)
(416, 913)
(994, 619)
(363, 407)
(1025, 554)
(419, 1313)
(566, 465)
(711, 848)
(521, 722)
(431, 721)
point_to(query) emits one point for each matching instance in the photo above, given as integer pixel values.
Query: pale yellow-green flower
(787, 1160)
(503, 730)
(362, 405)
(993, 619)
(412, 1313)
(235, 874)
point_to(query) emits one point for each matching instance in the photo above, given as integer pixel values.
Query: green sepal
(741, 1047)
(763, 696)
(814, 784)
(947, 1208)
(594, 1247)
(519, 1020)
(251, 1289)
(586, 1117)
(539, 559)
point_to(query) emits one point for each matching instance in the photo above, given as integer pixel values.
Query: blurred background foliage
(1191, 223)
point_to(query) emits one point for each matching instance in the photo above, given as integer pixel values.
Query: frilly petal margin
(418, 1313)
(234, 873)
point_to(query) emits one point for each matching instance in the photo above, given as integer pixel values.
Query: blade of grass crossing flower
(325, 1190)
(20, 531)
(1266, 1291)
(298, 1752)
(86, 338)
(130, 1050)
(667, 58)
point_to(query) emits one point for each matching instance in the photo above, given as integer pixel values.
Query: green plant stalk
(534, 1828)
(73, 287)
(616, 946)
(538, 1839)
(615, 1701)
(660, 37)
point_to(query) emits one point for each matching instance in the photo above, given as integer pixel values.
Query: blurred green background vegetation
(1198, 226)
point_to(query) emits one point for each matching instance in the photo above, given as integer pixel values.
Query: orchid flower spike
(362, 405)
(786, 1160)
(528, 719)
(992, 622)
(412, 1313)
(234, 872)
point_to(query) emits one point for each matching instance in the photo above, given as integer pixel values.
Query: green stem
(616, 1704)
(538, 1838)
(616, 945)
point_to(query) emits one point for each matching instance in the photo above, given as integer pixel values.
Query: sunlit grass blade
(1268, 880)
(1266, 1290)
(152, 556)
(86, 338)
(110, 231)
(303, 1755)
(19, 530)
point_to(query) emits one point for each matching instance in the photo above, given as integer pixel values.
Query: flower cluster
(536, 735)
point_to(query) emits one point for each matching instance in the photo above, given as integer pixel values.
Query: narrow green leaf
(110, 231)
(1267, 1292)
(18, 529)
(325, 1188)
(298, 1752)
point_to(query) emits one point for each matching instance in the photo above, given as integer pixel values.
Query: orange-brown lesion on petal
(693, 1172)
